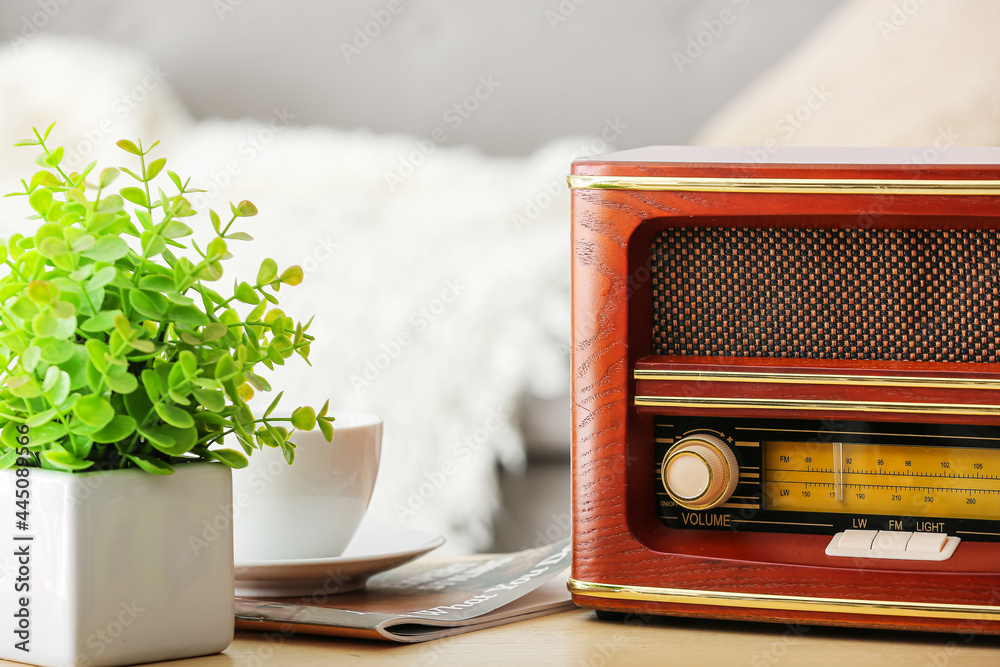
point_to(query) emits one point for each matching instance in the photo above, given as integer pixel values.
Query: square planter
(116, 567)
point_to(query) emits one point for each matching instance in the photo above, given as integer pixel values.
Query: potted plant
(123, 372)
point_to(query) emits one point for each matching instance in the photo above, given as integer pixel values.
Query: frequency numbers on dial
(882, 479)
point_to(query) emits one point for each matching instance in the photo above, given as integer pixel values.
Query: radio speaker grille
(871, 294)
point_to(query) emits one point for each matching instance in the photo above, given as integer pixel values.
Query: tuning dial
(700, 472)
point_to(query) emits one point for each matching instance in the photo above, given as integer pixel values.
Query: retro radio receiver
(786, 386)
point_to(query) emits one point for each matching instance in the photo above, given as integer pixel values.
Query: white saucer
(373, 549)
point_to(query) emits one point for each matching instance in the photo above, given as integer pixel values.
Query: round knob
(700, 472)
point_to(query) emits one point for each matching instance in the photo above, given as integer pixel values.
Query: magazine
(427, 599)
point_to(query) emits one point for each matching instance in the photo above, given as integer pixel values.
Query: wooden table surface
(577, 638)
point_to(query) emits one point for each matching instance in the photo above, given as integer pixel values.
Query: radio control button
(927, 542)
(891, 540)
(700, 472)
(893, 545)
(857, 539)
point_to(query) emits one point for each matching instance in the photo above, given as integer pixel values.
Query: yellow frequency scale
(909, 480)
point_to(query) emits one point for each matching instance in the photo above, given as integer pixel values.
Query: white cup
(312, 508)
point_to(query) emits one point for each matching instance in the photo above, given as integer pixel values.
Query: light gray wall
(556, 67)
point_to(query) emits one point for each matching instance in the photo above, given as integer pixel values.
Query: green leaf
(54, 158)
(217, 248)
(291, 276)
(76, 366)
(175, 230)
(51, 377)
(103, 321)
(47, 325)
(119, 428)
(326, 428)
(268, 272)
(24, 386)
(176, 180)
(152, 244)
(54, 247)
(171, 440)
(214, 331)
(188, 363)
(174, 415)
(239, 236)
(151, 382)
(225, 367)
(257, 382)
(102, 277)
(39, 436)
(55, 351)
(246, 293)
(94, 410)
(59, 390)
(30, 357)
(122, 382)
(155, 167)
(148, 304)
(157, 283)
(178, 298)
(137, 404)
(63, 460)
(159, 439)
(135, 195)
(211, 399)
(97, 351)
(142, 345)
(42, 292)
(230, 457)
(244, 209)
(108, 177)
(128, 147)
(153, 466)
(107, 249)
(111, 204)
(273, 404)
(187, 315)
(124, 327)
(304, 418)
(41, 418)
(41, 200)
(8, 459)
(288, 449)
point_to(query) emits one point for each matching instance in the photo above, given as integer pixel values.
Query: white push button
(891, 540)
(857, 539)
(927, 542)
(892, 544)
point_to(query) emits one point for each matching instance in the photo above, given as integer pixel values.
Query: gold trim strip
(807, 404)
(816, 378)
(785, 602)
(851, 186)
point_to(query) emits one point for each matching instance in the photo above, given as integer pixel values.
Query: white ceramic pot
(116, 567)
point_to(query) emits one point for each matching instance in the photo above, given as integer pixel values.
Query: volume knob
(700, 472)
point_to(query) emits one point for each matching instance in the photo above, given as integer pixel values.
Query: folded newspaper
(427, 599)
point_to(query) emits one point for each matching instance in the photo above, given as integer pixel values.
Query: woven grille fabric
(874, 294)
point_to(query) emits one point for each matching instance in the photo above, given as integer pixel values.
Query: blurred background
(411, 157)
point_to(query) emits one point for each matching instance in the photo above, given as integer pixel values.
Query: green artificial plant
(118, 354)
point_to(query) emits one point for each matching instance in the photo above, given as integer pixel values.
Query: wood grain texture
(617, 537)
